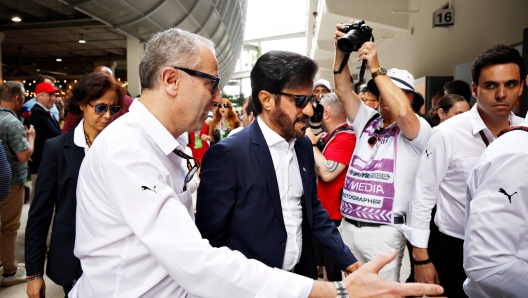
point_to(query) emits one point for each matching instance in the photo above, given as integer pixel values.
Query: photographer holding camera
(332, 155)
(389, 144)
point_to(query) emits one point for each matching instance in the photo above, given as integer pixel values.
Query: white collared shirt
(135, 232)
(451, 153)
(496, 232)
(290, 190)
(78, 137)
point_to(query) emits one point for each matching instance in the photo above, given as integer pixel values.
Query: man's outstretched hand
(365, 282)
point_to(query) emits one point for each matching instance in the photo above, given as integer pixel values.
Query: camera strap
(343, 63)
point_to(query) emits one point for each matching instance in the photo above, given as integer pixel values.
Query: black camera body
(356, 35)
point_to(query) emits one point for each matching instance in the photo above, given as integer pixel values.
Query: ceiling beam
(52, 24)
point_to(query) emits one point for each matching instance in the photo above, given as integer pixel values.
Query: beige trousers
(10, 211)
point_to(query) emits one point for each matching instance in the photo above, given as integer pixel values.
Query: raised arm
(396, 100)
(343, 86)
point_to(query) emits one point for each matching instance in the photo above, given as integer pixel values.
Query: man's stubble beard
(286, 125)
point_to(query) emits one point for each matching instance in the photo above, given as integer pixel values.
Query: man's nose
(217, 96)
(308, 110)
(500, 93)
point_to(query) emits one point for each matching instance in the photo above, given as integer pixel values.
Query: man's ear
(326, 114)
(170, 78)
(267, 100)
(474, 89)
(410, 96)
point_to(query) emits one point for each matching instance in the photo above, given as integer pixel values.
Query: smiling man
(258, 193)
(451, 153)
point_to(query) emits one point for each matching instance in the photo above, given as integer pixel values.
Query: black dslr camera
(356, 35)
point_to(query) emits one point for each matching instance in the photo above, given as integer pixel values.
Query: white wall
(479, 24)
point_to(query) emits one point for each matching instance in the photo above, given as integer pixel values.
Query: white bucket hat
(403, 80)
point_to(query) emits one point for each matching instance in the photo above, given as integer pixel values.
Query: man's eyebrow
(495, 82)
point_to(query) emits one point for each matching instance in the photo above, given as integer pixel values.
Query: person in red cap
(46, 127)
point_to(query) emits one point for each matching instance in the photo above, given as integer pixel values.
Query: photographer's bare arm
(390, 95)
(365, 282)
(326, 169)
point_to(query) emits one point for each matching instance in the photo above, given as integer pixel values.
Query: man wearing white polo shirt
(496, 238)
(451, 153)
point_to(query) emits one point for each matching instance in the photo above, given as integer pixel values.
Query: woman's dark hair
(445, 103)
(499, 54)
(92, 87)
(279, 70)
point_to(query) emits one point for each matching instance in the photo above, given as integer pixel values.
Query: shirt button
(283, 243)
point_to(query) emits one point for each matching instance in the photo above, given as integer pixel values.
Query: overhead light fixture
(82, 39)
(58, 59)
(16, 18)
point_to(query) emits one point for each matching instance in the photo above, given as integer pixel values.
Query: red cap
(45, 87)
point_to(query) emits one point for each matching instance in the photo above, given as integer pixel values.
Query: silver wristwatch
(341, 290)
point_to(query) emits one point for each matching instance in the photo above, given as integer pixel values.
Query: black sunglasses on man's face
(203, 75)
(300, 100)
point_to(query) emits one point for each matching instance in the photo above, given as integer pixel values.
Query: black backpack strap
(512, 129)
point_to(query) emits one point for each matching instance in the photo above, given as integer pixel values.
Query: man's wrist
(34, 277)
(341, 290)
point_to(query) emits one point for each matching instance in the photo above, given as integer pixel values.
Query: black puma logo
(428, 154)
(502, 191)
(147, 188)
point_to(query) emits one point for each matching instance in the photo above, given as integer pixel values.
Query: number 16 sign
(444, 16)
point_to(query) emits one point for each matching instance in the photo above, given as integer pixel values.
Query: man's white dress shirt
(450, 155)
(135, 232)
(290, 191)
(496, 242)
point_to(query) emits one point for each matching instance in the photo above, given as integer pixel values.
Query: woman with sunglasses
(97, 97)
(225, 120)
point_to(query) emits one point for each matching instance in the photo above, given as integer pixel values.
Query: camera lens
(348, 42)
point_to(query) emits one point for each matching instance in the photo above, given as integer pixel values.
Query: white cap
(322, 82)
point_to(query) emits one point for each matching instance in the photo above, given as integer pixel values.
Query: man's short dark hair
(279, 70)
(458, 87)
(41, 79)
(250, 108)
(10, 89)
(499, 54)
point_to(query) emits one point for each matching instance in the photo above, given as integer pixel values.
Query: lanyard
(87, 140)
(484, 138)
(513, 128)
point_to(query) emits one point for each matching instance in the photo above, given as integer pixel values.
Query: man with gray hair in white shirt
(135, 232)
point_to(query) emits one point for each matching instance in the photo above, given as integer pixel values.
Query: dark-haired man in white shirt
(451, 153)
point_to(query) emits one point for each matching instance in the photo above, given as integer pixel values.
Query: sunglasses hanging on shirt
(374, 139)
(192, 169)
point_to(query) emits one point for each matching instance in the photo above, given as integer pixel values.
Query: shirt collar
(477, 123)
(45, 109)
(272, 138)
(8, 110)
(161, 136)
(78, 136)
